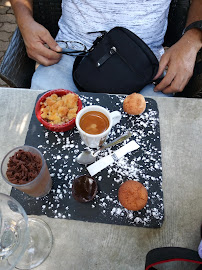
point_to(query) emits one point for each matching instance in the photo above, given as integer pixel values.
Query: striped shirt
(146, 18)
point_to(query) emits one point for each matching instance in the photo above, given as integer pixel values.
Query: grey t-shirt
(146, 18)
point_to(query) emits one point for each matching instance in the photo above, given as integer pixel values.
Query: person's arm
(180, 58)
(35, 35)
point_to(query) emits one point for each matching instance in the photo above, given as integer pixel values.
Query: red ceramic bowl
(58, 128)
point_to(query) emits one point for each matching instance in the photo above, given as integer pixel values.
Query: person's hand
(179, 61)
(35, 37)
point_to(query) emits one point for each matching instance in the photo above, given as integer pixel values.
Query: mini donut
(134, 104)
(133, 195)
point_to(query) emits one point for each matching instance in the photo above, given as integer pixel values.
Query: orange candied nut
(59, 110)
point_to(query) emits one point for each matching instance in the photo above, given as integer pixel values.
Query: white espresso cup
(96, 140)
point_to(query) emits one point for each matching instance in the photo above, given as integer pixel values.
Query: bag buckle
(105, 57)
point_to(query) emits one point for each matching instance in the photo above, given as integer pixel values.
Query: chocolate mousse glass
(25, 168)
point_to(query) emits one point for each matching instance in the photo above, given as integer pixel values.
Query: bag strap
(168, 254)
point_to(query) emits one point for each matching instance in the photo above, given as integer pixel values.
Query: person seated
(147, 19)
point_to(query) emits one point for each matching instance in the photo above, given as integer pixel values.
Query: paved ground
(7, 27)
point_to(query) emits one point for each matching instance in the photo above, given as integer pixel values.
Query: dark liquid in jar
(84, 188)
(94, 122)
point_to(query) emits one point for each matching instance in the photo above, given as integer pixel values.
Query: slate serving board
(143, 165)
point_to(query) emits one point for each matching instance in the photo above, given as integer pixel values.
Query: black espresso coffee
(94, 122)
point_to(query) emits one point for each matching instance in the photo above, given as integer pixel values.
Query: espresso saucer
(84, 188)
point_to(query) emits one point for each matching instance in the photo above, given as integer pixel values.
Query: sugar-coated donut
(133, 195)
(134, 104)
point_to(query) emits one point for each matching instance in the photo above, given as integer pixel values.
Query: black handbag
(118, 62)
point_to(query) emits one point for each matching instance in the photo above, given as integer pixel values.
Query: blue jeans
(60, 76)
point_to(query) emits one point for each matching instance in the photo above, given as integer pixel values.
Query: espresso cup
(96, 140)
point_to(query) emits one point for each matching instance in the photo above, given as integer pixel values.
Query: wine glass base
(40, 244)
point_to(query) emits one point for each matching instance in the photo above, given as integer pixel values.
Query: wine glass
(39, 245)
(24, 242)
(14, 234)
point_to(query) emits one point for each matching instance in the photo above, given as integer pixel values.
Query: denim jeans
(60, 76)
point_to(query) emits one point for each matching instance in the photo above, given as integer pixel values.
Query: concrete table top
(88, 246)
